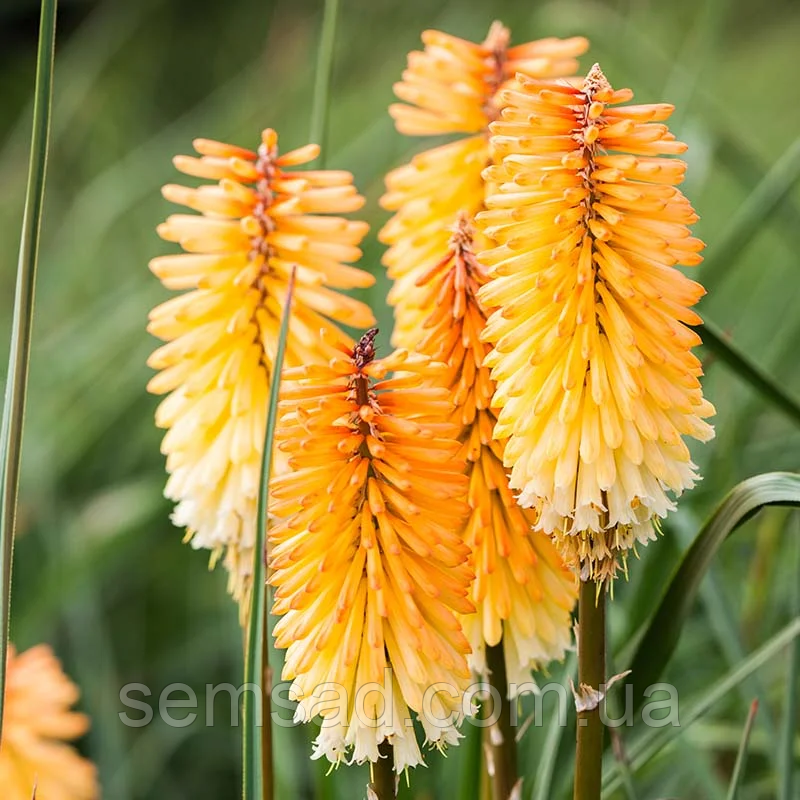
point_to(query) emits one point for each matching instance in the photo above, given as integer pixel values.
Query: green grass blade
(257, 779)
(723, 622)
(660, 634)
(741, 755)
(543, 782)
(752, 214)
(656, 739)
(786, 758)
(19, 353)
(727, 352)
(471, 765)
(322, 81)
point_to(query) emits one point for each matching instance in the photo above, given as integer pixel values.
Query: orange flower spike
(522, 591)
(261, 219)
(38, 723)
(450, 87)
(596, 380)
(368, 568)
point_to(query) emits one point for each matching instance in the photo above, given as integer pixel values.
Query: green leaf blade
(257, 776)
(741, 756)
(656, 739)
(19, 353)
(322, 78)
(659, 638)
(750, 372)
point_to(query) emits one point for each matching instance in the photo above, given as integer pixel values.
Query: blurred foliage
(100, 572)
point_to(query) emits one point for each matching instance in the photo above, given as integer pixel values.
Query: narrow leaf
(741, 756)
(660, 634)
(322, 80)
(543, 782)
(656, 739)
(258, 775)
(786, 757)
(749, 219)
(19, 354)
(750, 372)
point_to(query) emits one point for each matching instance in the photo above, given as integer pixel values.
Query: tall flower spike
(368, 568)
(452, 87)
(38, 723)
(592, 353)
(522, 591)
(259, 220)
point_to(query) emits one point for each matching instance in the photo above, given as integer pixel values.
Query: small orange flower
(368, 567)
(522, 591)
(261, 219)
(37, 724)
(592, 350)
(450, 87)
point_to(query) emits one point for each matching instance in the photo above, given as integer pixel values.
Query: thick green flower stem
(382, 780)
(499, 739)
(591, 676)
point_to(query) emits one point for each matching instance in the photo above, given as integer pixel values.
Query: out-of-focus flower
(450, 87)
(592, 354)
(368, 567)
(257, 222)
(38, 722)
(523, 593)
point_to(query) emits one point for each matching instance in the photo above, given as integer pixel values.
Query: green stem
(382, 779)
(591, 672)
(19, 353)
(500, 741)
(322, 80)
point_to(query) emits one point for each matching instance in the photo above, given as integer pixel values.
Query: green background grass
(102, 575)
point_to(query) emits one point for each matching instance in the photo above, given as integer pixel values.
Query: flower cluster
(592, 356)
(38, 721)
(444, 499)
(367, 563)
(452, 86)
(522, 591)
(258, 221)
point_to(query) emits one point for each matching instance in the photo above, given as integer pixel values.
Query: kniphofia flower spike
(450, 87)
(38, 724)
(259, 219)
(368, 567)
(523, 593)
(592, 354)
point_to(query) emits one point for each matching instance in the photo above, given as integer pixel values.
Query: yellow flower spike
(522, 591)
(592, 356)
(259, 220)
(368, 567)
(452, 86)
(37, 725)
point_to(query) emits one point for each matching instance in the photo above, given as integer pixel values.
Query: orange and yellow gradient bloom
(38, 723)
(260, 218)
(368, 566)
(450, 87)
(523, 593)
(596, 380)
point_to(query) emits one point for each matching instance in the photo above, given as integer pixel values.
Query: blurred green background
(100, 572)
